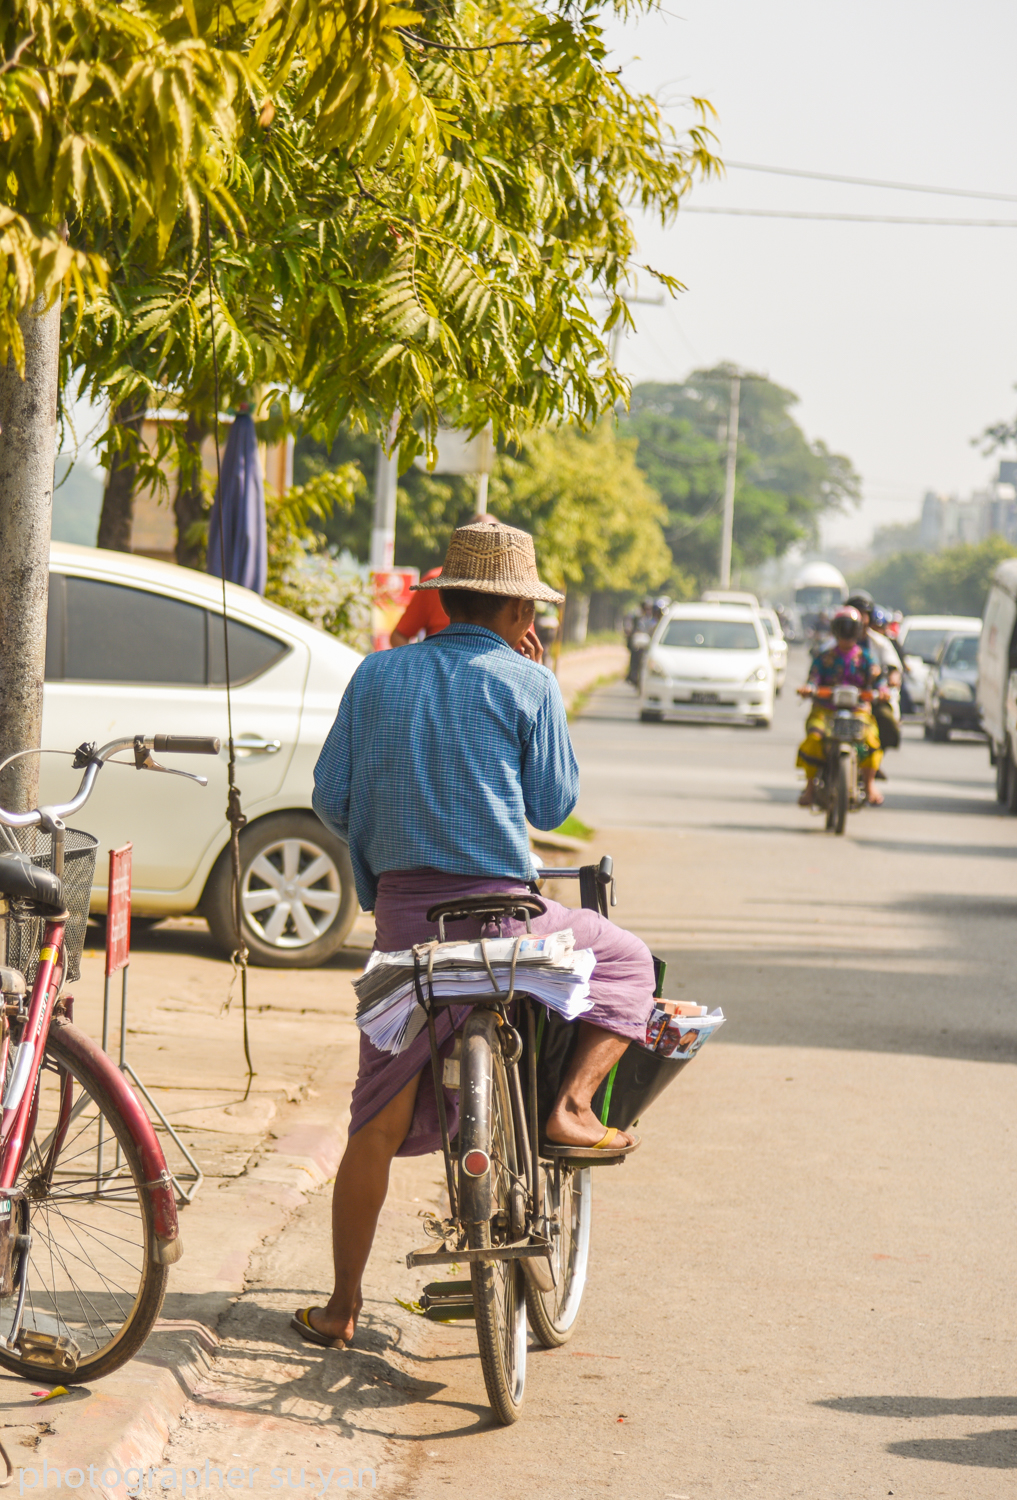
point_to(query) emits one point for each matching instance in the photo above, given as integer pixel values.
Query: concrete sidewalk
(260, 1158)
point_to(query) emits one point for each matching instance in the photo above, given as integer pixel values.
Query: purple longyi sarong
(621, 988)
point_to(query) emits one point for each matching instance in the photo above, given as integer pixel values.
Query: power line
(904, 187)
(782, 213)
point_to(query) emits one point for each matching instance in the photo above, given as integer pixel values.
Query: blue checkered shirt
(438, 754)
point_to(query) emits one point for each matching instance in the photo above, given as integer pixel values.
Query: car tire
(650, 716)
(277, 936)
(1011, 785)
(1004, 773)
(763, 723)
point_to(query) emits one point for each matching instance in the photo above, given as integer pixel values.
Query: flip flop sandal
(301, 1322)
(602, 1151)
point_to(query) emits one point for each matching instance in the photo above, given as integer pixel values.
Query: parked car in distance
(778, 647)
(997, 687)
(708, 662)
(919, 639)
(136, 647)
(950, 691)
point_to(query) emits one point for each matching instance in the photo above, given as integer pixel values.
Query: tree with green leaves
(785, 481)
(360, 285)
(952, 582)
(119, 122)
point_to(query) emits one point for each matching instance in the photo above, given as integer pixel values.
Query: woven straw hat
(492, 560)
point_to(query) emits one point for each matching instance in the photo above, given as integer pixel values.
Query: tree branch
(424, 41)
(12, 61)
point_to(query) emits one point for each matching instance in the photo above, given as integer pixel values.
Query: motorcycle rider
(846, 661)
(886, 710)
(642, 629)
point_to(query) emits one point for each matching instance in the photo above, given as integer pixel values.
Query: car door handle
(254, 744)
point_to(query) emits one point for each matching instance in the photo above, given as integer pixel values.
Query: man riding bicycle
(435, 762)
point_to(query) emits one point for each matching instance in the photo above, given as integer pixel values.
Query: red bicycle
(88, 1219)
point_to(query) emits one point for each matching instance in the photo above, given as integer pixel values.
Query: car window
(717, 635)
(117, 634)
(962, 652)
(251, 652)
(767, 624)
(923, 643)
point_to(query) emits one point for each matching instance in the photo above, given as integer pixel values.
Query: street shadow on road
(948, 997)
(260, 1366)
(923, 1406)
(189, 937)
(981, 1450)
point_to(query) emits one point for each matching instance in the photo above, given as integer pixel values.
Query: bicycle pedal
(447, 1301)
(55, 1352)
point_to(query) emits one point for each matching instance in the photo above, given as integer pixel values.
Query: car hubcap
(290, 893)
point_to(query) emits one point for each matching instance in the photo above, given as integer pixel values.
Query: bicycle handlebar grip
(186, 744)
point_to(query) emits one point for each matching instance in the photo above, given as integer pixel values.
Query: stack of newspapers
(550, 968)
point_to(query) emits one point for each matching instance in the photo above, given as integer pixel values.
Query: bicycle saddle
(488, 907)
(20, 877)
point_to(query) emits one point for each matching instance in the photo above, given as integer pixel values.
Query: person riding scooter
(847, 661)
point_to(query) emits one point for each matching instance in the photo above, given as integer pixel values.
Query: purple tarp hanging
(240, 508)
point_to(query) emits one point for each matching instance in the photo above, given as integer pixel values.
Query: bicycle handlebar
(185, 744)
(93, 760)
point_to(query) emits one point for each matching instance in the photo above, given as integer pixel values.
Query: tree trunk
(577, 616)
(116, 521)
(28, 411)
(189, 505)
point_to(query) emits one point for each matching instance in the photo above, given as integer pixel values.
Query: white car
(778, 647)
(136, 647)
(709, 662)
(918, 640)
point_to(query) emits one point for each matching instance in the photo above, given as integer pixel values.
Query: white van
(997, 679)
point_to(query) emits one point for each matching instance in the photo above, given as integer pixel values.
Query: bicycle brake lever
(143, 762)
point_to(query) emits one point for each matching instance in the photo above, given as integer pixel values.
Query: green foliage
(302, 576)
(595, 520)
(954, 581)
(444, 267)
(125, 114)
(784, 482)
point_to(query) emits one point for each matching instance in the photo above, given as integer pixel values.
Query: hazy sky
(900, 340)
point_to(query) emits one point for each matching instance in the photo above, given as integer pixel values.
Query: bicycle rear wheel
(568, 1211)
(91, 1273)
(488, 1207)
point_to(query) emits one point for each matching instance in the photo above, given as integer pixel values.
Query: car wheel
(1011, 785)
(763, 723)
(296, 889)
(651, 716)
(1003, 764)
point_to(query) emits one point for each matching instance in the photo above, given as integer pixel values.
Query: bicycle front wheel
(91, 1274)
(491, 1204)
(568, 1210)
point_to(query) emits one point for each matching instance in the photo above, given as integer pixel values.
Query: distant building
(948, 522)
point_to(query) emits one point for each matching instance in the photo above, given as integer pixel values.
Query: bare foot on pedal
(571, 1124)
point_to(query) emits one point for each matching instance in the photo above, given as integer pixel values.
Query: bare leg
(808, 795)
(572, 1121)
(869, 777)
(361, 1184)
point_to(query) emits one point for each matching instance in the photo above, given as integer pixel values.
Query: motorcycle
(639, 644)
(838, 787)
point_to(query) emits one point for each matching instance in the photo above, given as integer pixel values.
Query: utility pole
(28, 410)
(386, 484)
(727, 529)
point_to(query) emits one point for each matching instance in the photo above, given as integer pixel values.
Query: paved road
(802, 1285)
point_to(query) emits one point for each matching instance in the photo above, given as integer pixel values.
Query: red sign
(392, 593)
(118, 910)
